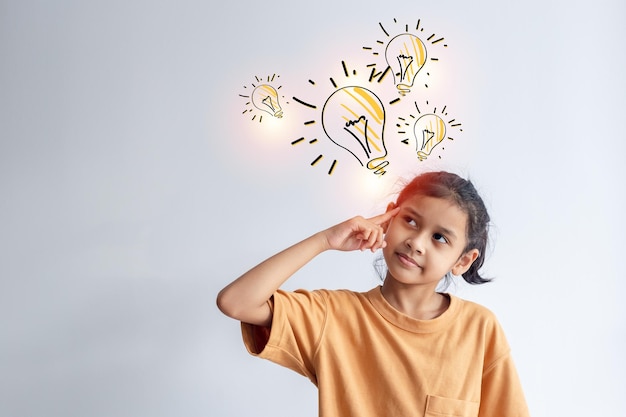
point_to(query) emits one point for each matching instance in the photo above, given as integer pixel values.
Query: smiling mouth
(406, 260)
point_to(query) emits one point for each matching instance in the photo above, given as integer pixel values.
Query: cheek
(393, 240)
(387, 248)
(395, 235)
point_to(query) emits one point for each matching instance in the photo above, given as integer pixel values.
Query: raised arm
(245, 299)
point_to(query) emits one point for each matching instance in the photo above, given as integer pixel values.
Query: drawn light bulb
(354, 119)
(406, 55)
(265, 97)
(429, 131)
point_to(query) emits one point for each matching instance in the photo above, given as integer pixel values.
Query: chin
(408, 281)
(402, 280)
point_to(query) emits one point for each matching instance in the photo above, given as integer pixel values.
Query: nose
(416, 243)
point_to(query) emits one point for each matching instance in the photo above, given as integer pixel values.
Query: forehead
(441, 211)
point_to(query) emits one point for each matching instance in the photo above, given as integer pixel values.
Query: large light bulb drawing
(429, 131)
(406, 55)
(354, 119)
(265, 98)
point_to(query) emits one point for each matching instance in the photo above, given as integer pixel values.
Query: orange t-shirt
(369, 360)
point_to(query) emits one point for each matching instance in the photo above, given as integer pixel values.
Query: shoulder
(340, 300)
(325, 294)
(483, 323)
(474, 311)
(480, 318)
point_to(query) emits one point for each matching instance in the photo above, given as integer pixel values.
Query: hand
(360, 233)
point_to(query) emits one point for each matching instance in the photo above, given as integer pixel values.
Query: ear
(464, 262)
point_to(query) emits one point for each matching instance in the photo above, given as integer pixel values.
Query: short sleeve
(298, 320)
(501, 391)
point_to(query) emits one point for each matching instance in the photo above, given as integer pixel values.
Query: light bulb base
(378, 165)
(422, 155)
(403, 89)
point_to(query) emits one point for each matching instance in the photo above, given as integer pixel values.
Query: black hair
(462, 192)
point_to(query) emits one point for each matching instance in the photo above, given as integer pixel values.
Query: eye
(410, 221)
(440, 238)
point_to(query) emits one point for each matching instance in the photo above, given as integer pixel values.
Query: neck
(418, 301)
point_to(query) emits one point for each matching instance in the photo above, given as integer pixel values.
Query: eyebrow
(445, 230)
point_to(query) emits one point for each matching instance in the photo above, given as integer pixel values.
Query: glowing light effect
(354, 119)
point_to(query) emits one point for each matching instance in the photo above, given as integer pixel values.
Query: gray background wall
(133, 189)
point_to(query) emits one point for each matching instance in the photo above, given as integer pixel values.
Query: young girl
(401, 349)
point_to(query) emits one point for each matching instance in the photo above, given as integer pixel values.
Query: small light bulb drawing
(406, 55)
(265, 98)
(429, 131)
(354, 119)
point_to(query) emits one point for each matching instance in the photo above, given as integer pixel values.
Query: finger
(384, 218)
(376, 239)
(363, 237)
(373, 238)
(381, 237)
(365, 234)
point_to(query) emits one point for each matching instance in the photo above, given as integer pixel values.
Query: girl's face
(425, 241)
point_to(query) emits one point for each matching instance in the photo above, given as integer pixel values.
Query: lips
(407, 260)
